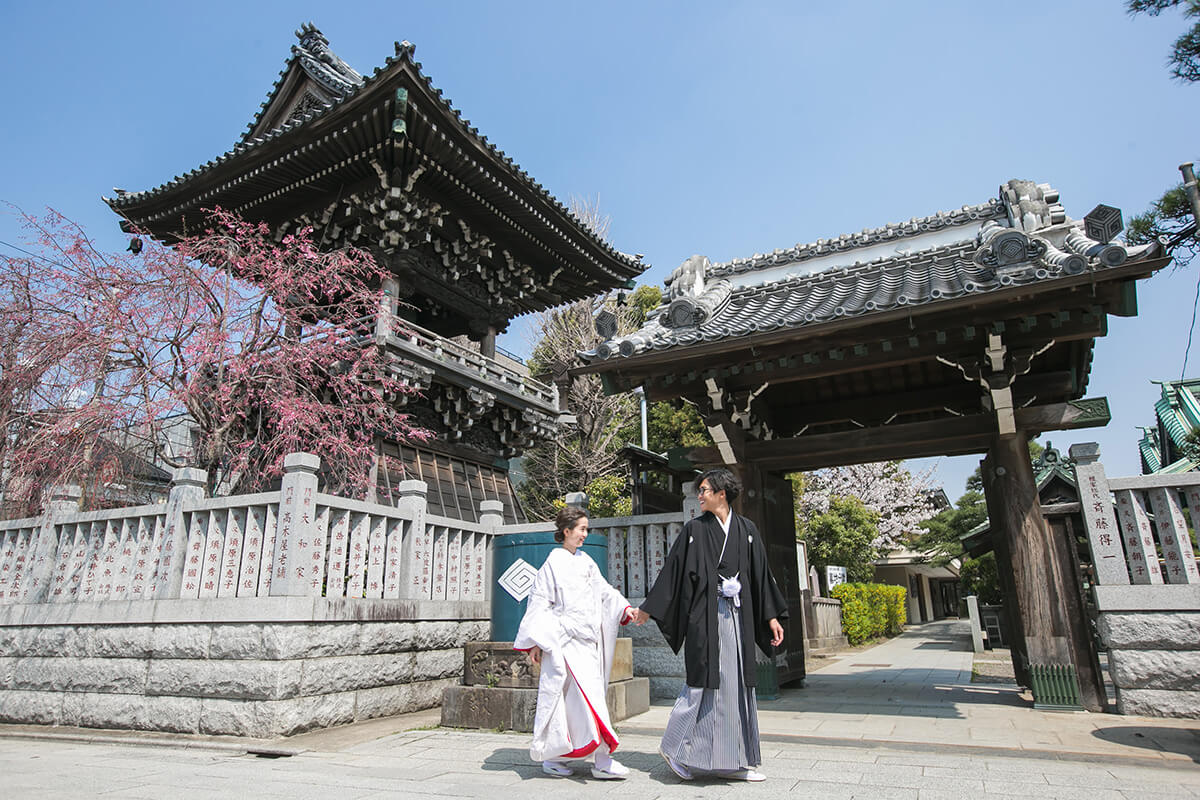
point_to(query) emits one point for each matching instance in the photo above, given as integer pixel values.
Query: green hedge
(870, 610)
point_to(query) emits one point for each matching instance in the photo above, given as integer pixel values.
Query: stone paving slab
(448, 763)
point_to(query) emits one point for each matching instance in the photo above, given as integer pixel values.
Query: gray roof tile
(1025, 238)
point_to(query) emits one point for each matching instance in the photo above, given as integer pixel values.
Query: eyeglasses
(703, 490)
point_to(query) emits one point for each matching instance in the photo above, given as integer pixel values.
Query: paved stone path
(916, 689)
(446, 763)
(901, 720)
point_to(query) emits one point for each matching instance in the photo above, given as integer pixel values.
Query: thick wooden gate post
(1034, 563)
(767, 501)
(1014, 628)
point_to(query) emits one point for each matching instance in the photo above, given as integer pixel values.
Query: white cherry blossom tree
(900, 498)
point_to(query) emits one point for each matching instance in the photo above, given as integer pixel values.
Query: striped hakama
(716, 730)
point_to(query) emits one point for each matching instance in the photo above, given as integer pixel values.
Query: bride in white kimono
(570, 628)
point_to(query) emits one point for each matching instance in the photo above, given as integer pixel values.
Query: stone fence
(258, 615)
(1147, 585)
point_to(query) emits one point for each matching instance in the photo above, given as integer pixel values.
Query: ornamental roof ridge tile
(404, 55)
(312, 66)
(892, 231)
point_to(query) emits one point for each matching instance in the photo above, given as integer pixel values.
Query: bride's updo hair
(566, 518)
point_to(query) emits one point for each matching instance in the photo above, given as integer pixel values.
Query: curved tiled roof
(401, 62)
(1008, 246)
(993, 209)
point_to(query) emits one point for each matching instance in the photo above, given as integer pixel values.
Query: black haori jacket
(683, 600)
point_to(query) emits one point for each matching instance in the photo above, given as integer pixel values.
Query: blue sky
(717, 128)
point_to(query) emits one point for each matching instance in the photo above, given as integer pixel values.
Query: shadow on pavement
(516, 761)
(1184, 741)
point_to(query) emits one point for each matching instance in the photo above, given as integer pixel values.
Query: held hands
(776, 632)
(640, 617)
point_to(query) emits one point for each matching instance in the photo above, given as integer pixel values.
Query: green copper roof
(1149, 449)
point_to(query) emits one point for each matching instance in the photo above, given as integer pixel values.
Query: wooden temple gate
(969, 331)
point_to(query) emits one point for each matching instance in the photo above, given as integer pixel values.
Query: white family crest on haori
(573, 614)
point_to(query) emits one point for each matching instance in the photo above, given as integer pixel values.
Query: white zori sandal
(609, 769)
(556, 768)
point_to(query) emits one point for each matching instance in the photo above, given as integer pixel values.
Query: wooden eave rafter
(884, 347)
(954, 436)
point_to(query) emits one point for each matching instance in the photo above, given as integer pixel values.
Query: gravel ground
(993, 666)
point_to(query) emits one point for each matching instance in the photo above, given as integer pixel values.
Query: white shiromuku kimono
(572, 615)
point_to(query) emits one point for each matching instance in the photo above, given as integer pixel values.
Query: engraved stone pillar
(295, 567)
(1179, 562)
(1108, 556)
(691, 503)
(63, 500)
(477, 561)
(187, 487)
(416, 553)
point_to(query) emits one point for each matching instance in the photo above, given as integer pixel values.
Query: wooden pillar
(767, 501)
(1033, 558)
(487, 345)
(1013, 626)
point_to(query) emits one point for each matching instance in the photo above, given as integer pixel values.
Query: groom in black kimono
(716, 597)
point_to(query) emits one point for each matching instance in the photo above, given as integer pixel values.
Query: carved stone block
(497, 664)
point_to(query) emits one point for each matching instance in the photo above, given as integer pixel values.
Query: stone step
(825, 645)
(509, 708)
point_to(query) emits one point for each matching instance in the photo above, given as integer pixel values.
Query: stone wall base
(1158, 703)
(1154, 661)
(259, 678)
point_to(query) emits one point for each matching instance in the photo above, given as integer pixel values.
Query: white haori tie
(731, 587)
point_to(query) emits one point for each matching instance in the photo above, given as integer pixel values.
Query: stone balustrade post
(416, 554)
(491, 514)
(187, 487)
(299, 565)
(691, 503)
(63, 500)
(578, 499)
(1104, 539)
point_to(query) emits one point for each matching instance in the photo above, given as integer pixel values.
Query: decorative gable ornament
(1002, 247)
(606, 325)
(1103, 223)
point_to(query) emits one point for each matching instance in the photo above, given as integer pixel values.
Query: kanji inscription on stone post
(252, 548)
(356, 556)
(295, 568)
(1138, 538)
(616, 559)
(231, 553)
(214, 544)
(376, 551)
(414, 555)
(1104, 537)
(391, 567)
(636, 561)
(656, 547)
(1179, 563)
